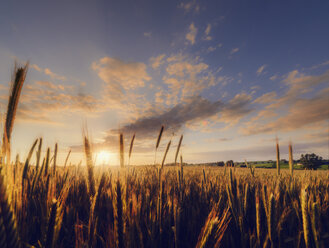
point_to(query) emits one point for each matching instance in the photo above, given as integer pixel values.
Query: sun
(103, 158)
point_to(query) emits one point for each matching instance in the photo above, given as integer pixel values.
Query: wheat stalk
(271, 218)
(122, 165)
(131, 147)
(158, 143)
(55, 158)
(119, 215)
(305, 217)
(291, 160)
(165, 154)
(277, 157)
(90, 166)
(315, 223)
(67, 158)
(178, 147)
(7, 217)
(38, 154)
(47, 162)
(51, 225)
(258, 220)
(15, 91)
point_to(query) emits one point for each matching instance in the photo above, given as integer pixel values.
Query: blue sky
(229, 75)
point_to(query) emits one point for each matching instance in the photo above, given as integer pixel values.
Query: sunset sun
(104, 158)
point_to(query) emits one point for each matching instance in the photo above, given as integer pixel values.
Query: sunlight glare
(103, 158)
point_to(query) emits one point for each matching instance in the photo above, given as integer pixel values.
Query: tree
(221, 163)
(310, 161)
(230, 163)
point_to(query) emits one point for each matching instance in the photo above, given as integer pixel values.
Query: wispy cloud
(293, 110)
(190, 6)
(266, 98)
(325, 63)
(207, 32)
(48, 72)
(301, 113)
(213, 48)
(147, 34)
(53, 75)
(191, 35)
(36, 67)
(186, 77)
(234, 50)
(236, 108)
(260, 70)
(120, 76)
(301, 83)
(42, 101)
(157, 61)
(216, 140)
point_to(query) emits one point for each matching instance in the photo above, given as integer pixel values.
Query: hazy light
(104, 158)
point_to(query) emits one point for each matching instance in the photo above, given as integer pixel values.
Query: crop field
(44, 204)
(170, 207)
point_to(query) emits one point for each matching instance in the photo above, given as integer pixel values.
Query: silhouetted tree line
(311, 161)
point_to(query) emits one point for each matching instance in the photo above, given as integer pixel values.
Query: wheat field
(45, 204)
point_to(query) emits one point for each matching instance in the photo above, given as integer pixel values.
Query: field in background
(269, 165)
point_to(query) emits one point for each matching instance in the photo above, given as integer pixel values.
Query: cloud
(322, 135)
(207, 32)
(298, 107)
(120, 76)
(42, 101)
(300, 83)
(186, 77)
(52, 86)
(173, 118)
(48, 72)
(216, 140)
(159, 97)
(190, 6)
(176, 57)
(191, 35)
(184, 68)
(266, 98)
(28, 115)
(147, 34)
(236, 108)
(213, 48)
(36, 67)
(235, 50)
(53, 75)
(194, 109)
(157, 61)
(301, 113)
(320, 65)
(260, 70)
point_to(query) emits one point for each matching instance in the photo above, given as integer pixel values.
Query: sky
(230, 76)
